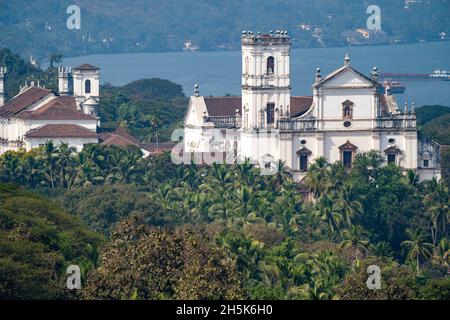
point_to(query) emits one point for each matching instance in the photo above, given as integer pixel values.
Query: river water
(218, 73)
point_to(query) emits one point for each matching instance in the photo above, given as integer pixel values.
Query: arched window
(347, 109)
(87, 86)
(270, 65)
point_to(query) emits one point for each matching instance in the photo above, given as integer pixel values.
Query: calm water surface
(218, 73)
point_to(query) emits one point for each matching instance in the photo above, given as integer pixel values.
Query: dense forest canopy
(253, 236)
(38, 28)
(145, 228)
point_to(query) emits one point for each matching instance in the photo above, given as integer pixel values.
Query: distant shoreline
(44, 62)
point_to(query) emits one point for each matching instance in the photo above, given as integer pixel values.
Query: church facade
(348, 113)
(37, 115)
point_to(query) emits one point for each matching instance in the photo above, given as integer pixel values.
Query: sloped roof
(299, 105)
(86, 66)
(23, 100)
(223, 106)
(60, 108)
(227, 106)
(118, 137)
(160, 148)
(55, 131)
(339, 71)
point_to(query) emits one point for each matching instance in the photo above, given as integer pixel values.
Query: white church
(348, 113)
(37, 115)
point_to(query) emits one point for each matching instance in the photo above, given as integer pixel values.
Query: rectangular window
(347, 158)
(270, 113)
(303, 162)
(391, 158)
(426, 163)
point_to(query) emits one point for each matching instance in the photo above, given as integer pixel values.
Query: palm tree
(441, 255)
(328, 213)
(412, 177)
(353, 239)
(281, 175)
(349, 204)
(416, 247)
(437, 204)
(381, 250)
(316, 178)
(50, 161)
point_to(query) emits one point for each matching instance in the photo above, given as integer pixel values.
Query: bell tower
(266, 87)
(86, 87)
(65, 80)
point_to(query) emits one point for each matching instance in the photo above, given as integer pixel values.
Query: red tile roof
(86, 66)
(226, 106)
(23, 100)
(223, 106)
(60, 108)
(299, 105)
(159, 148)
(61, 131)
(118, 137)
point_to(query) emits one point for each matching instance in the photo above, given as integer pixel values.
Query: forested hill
(38, 28)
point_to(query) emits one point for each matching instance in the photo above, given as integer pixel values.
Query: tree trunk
(418, 270)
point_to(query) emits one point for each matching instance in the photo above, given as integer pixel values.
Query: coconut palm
(354, 239)
(350, 205)
(437, 205)
(328, 213)
(441, 254)
(381, 250)
(416, 247)
(316, 178)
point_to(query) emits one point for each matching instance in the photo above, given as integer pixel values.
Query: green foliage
(436, 289)
(40, 28)
(426, 114)
(37, 242)
(149, 108)
(397, 283)
(161, 264)
(271, 241)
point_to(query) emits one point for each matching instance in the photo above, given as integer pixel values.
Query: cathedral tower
(65, 80)
(86, 87)
(265, 78)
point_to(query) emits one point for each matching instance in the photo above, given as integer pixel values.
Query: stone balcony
(307, 124)
(396, 122)
(223, 121)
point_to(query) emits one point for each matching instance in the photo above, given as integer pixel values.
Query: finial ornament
(413, 108)
(196, 91)
(318, 75)
(347, 59)
(375, 74)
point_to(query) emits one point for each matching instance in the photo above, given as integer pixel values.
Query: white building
(37, 115)
(346, 115)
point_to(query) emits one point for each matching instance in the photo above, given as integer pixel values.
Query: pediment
(348, 78)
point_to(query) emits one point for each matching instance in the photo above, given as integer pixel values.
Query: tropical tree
(416, 247)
